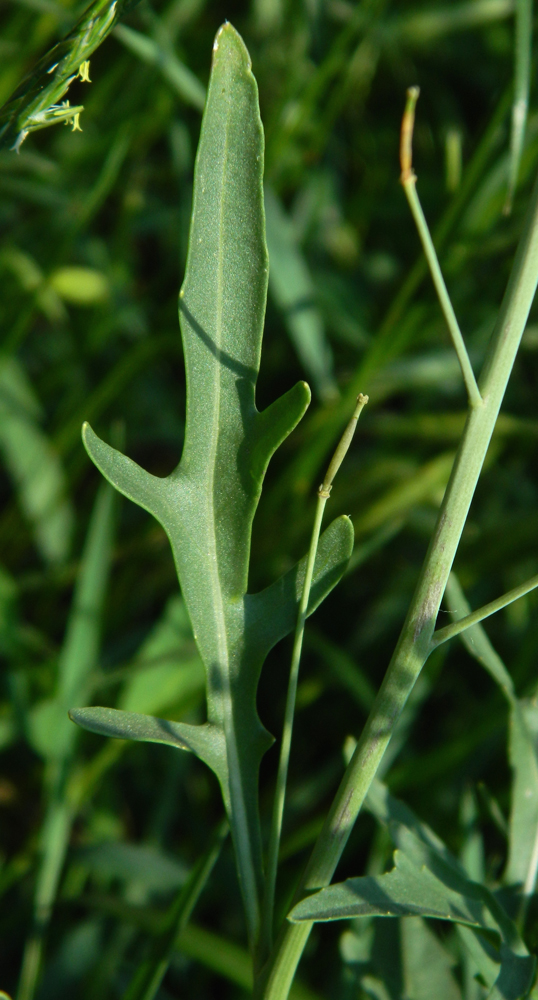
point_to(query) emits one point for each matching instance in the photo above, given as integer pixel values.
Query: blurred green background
(94, 229)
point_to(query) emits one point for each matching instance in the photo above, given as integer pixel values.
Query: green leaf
(408, 890)
(508, 970)
(148, 977)
(146, 866)
(167, 669)
(272, 613)
(427, 965)
(522, 748)
(49, 730)
(83, 286)
(206, 741)
(217, 953)
(48, 726)
(522, 861)
(33, 464)
(182, 80)
(207, 504)
(292, 288)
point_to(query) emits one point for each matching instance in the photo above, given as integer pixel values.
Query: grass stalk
(414, 643)
(324, 492)
(147, 980)
(77, 660)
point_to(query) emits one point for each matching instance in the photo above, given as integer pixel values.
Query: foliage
(95, 223)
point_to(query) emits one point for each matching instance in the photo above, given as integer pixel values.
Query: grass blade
(520, 107)
(33, 464)
(149, 976)
(50, 731)
(292, 288)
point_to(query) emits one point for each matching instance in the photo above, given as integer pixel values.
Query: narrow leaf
(292, 288)
(522, 865)
(427, 964)
(149, 975)
(142, 864)
(33, 464)
(206, 741)
(167, 669)
(207, 504)
(182, 80)
(522, 79)
(49, 729)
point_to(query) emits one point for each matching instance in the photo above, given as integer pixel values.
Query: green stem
(449, 631)
(56, 830)
(283, 764)
(414, 643)
(409, 181)
(520, 106)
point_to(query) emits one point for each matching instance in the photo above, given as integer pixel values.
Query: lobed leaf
(207, 504)
(406, 891)
(509, 969)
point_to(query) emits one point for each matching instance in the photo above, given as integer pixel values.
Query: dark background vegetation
(116, 199)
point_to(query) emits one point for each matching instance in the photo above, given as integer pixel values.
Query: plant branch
(414, 644)
(283, 764)
(408, 180)
(449, 631)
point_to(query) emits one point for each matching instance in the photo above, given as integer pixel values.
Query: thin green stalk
(283, 764)
(409, 180)
(449, 631)
(56, 830)
(323, 429)
(57, 744)
(414, 643)
(520, 107)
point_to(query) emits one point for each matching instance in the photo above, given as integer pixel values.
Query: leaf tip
(307, 392)
(87, 433)
(228, 41)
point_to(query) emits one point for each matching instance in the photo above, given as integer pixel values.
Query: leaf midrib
(240, 818)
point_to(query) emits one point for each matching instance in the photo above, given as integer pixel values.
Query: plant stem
(414, 643)
(520, 107)
(283, 764)
(449, 631)
(409, 180)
